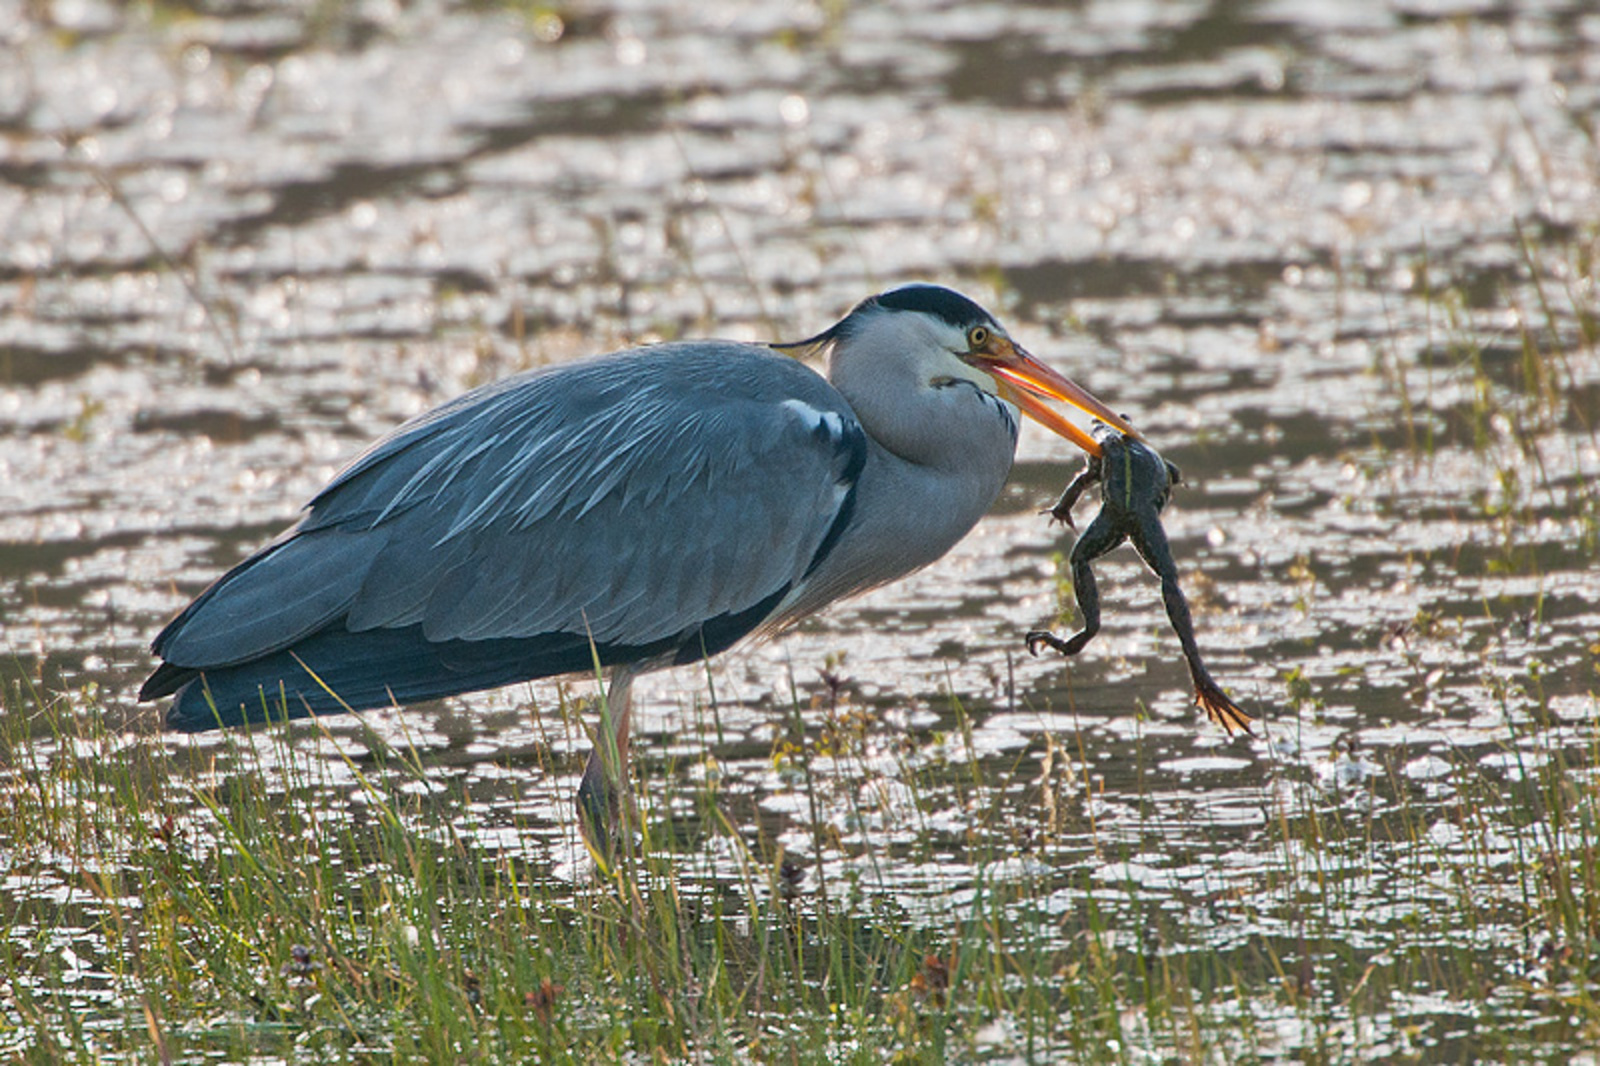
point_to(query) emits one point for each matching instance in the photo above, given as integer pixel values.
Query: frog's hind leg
(1099, 538)
(1208, 695)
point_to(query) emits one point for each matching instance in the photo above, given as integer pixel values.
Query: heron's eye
(977, 337)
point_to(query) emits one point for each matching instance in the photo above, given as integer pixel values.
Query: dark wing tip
(166, 680)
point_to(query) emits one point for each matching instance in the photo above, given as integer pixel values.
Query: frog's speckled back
(1135, 479)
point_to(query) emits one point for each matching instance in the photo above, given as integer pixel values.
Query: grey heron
(637, 510)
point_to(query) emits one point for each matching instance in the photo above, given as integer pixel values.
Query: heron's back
(649, 507)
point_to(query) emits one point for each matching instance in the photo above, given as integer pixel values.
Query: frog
(1135, 485)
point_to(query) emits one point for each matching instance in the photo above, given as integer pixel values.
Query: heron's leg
(1101, 536)
(605, 775)
(1151, 543)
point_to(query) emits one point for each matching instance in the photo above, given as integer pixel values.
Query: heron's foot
(1071, 646)
(1209, 697)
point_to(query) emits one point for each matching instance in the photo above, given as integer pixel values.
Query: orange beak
(1024, 380)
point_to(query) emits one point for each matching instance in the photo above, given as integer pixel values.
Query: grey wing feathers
(628, 498)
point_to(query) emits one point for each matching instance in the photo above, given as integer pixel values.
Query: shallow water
(1336, 259)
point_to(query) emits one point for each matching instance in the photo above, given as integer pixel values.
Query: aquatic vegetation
(921, 897)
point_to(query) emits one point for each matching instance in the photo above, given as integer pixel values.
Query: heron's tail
(337, 670)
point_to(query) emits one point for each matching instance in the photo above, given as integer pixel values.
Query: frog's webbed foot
(1209, 697)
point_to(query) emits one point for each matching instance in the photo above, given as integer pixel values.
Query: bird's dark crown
(934, 300)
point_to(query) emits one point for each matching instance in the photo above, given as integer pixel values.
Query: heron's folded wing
(630, 499)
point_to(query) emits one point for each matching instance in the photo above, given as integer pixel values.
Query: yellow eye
(977, 337)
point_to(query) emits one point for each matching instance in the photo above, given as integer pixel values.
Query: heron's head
(942, 337)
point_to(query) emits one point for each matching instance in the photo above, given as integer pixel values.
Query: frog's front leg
(1061, 510)
(1101, 536)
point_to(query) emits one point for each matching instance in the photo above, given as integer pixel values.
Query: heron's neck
(906, 514)
(939, 426)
